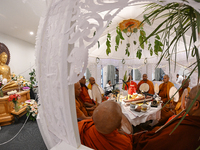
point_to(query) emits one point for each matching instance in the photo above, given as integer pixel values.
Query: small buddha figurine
(4, 69)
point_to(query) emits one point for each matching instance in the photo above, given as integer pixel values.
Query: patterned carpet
(28, 139)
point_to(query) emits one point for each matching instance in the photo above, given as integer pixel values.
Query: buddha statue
(4, 69)
(5, 72)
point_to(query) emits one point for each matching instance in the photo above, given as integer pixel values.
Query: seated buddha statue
(5, 72)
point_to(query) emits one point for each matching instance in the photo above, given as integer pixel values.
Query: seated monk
(91, 82)
(130, 82)
(164, 94)
(81, 110)
(178, 108)
(101, 132)
(186, 136)
(84, 96)
(164, 89)
(145, 80)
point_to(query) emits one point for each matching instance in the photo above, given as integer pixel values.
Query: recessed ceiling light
(31, 33)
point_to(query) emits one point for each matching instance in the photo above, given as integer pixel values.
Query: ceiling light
(31, 33)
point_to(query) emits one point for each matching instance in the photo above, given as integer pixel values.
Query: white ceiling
(18, 19)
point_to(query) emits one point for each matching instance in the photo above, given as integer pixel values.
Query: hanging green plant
(142, 38)
(108, 41)
(139, 53)
(157, 45)
(118, 37)
(97, 41)
(150, 49)
(127, 47)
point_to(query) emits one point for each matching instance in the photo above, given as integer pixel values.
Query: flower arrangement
(13, 77)
(32, 109)
(14, 98)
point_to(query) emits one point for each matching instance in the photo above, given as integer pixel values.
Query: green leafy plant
(125, 79)
(108, 41)
(118, 37)
(127, 47)
(32, 78)
(178, 19)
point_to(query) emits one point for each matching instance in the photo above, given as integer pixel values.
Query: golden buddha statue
(4, 69)
(5, 72)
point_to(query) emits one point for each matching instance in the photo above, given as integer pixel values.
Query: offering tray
(138, 99)
(127, 102)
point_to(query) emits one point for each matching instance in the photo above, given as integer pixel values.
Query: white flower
(33, 114)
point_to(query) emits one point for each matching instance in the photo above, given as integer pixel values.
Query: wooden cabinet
(6, 107)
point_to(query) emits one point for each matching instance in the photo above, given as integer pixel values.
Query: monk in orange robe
(178, 108)
(164, 94)
(81, 110)
(164, 89)
(145, 80)
(130, 82)
(101, 132)
(84, 96)
(186, 136)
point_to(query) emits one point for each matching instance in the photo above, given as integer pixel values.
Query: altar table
(6, 107)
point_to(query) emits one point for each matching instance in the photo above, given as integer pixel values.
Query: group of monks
(100, 125)
(137, 86)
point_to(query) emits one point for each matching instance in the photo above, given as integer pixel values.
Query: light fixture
(31, 33)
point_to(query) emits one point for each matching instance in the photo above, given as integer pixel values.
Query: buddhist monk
(81, 110)
(101, 132)
(91, 82)
(85, 98)
(130, 82)
(145, 80)
(164, 88)
(186, 136)
(185, 85)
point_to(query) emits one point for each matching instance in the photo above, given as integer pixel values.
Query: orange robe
(128, 83)
(151, 86)
(92, 138)
(164, 94)
(185, 137)
(80, 108)
(164, 91)
(84, 96)
(178, 108)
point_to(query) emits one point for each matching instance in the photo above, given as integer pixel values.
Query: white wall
(22, 55)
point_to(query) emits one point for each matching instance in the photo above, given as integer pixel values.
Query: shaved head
(186, 84)
(166, 78)
(195, 110)
(144, 77)
(107, 117)
(92, 80)
(77, 89)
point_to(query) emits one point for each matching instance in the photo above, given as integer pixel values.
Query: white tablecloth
(136, 118)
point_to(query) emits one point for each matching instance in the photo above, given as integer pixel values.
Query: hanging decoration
(123, 61)
(97, 60)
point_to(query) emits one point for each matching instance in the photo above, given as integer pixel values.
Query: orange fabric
(128, 83)
(80, 109)
(92, 138)
(178, 108)
(84, 96)
(175, 116)
(151, 86)
(186, 136)
(164, 91)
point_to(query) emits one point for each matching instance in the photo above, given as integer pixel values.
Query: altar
(6, 107)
